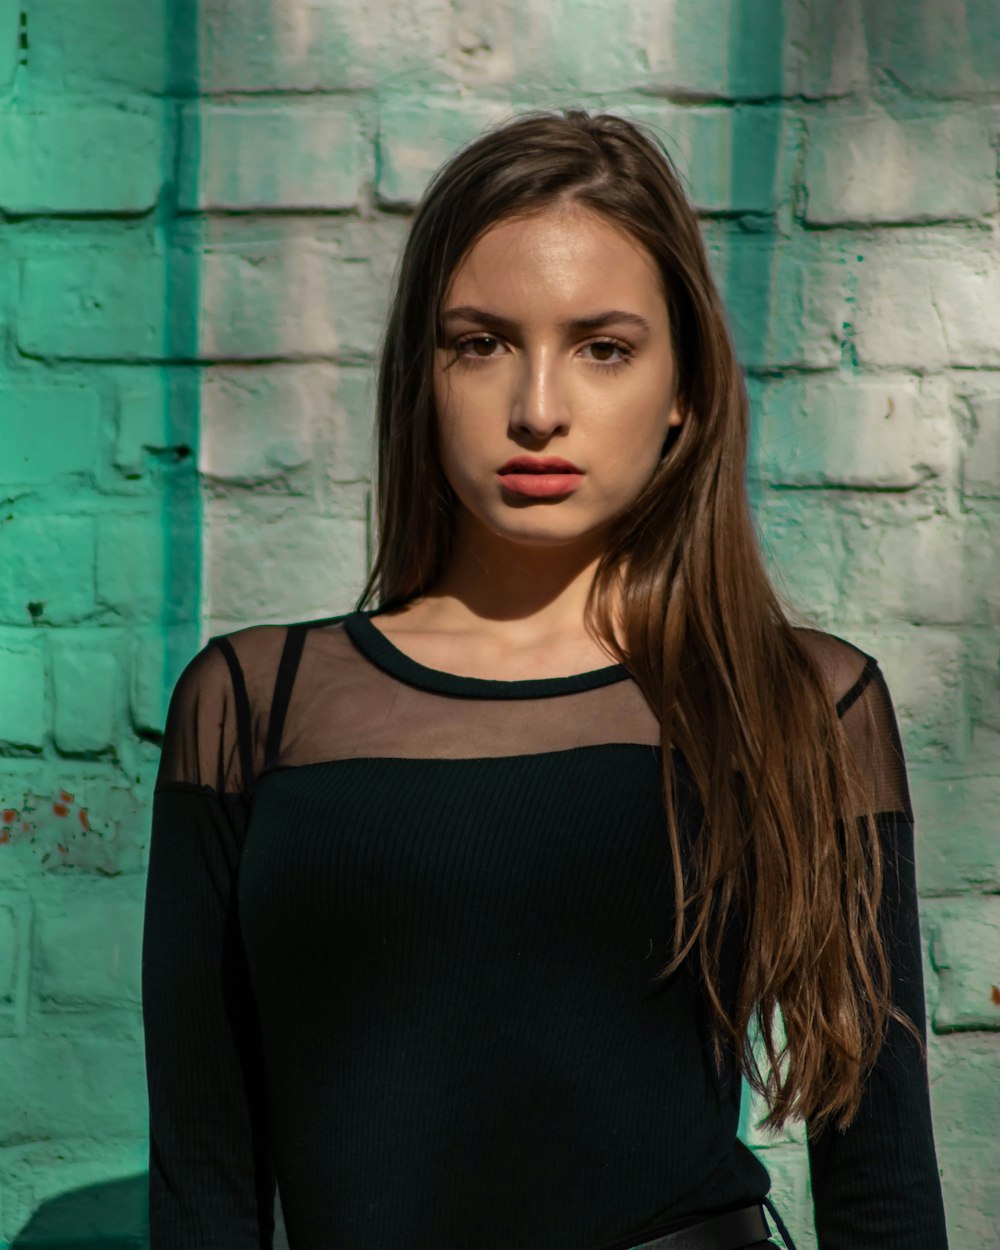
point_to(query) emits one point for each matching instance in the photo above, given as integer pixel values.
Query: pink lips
(540, 476)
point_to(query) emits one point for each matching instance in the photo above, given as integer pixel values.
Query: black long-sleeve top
(400, 932)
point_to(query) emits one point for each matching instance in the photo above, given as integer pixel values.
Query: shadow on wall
(110, 1216)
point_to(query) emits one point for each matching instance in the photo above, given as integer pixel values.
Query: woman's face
(556, 343)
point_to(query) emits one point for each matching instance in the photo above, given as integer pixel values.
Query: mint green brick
(148, 681)
(100, 302)
(103, 46)
(87, 943)
(86, 679)
(141, 426)
(300, 155)
(23, 696)
(48, 431)
(10, 14)
(958, 846)
(131, 564)
(965, 1093)
(48, 561)
(80, 161)
(966, 959)
(416, 134)
(936, 49)
(15, 961)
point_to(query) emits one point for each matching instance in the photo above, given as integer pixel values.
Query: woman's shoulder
(847, 670)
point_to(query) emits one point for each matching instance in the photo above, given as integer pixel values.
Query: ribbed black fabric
(400, 926)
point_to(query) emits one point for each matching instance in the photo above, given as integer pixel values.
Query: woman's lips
(540, 476)
(541, 485)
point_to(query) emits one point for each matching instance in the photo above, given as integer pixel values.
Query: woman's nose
(538, 404)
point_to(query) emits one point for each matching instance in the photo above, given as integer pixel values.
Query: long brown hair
(736, 691)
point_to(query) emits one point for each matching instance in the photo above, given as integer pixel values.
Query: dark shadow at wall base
(110, 1216)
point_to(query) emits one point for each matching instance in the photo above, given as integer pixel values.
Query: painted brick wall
(202, 204)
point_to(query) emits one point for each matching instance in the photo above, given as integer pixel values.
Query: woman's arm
(211, 1184)
(876, 1185)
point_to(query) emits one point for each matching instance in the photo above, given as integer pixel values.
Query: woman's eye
(604, 349)
(482, 345)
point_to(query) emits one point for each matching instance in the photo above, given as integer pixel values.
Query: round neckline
(378, 648)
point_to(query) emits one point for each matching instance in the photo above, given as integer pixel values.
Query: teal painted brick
(67, 1086)
(971, 1186)
(805, 552)
(722, 152)
(105, 44)
(15, 961)
(88, 942)
(946, 50)
(862, 432)
(148, 682)
(786, 309)
(935, 167)
(131, 564)
(417, 134)
(58, 162)
(966, 958)
(46, 431)
(101, 302)
(301, 155)
(741, 59)
(141, 426)
(10, 16)
(47, 561)
(24, 714)
(85, 680)
(928, 313)
(957, 830)
(965, 1094)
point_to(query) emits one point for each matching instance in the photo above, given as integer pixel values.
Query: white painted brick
(928, 313)
(981, 462)
(277, 563)
(964, 937)
(855, 432)
(256, 421)
(299, 155)
(297, 297)
(906, 563)
(869, 167)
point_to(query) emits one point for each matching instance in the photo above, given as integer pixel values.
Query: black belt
(730, 1231)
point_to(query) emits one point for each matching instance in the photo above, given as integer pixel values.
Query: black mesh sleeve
(211, 1184)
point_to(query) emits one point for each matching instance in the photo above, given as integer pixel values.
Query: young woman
(465, 910)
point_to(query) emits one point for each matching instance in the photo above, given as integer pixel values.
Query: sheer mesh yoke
(276, 696)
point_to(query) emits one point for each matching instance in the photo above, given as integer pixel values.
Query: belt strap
(720, 1232)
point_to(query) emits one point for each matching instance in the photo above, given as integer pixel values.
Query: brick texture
(204, 205)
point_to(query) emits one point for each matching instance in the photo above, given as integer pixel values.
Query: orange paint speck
(4, 835)
(60, 809)
(995, 994)
(83, 818)
(66, 796)
(9, 815)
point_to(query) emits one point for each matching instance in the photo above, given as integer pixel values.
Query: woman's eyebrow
(480, 316)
